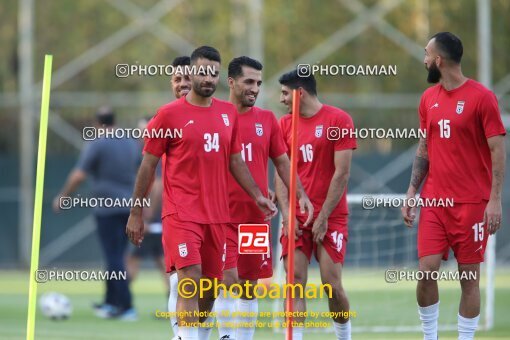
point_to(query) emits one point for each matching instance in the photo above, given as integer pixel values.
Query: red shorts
(460, 227)
(335, 240)
(169, 263)
(249, 266)
(189, 243)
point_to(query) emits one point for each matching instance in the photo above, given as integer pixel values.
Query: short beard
(434, 75)
(198, 90)
(247, 103)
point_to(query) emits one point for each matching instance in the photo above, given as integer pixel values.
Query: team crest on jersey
(225, 119)
(183, 250)
(318, 131)
(460, 107)
(258, 129)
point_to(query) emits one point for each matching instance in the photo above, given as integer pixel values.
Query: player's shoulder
(286, 118)
(431, 90)
(224, 105)
(172, 106)
(333, 112)
(477, 88)
(263, 113)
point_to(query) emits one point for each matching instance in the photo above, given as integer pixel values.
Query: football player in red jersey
(261, 140)
(195, 201)
(323, 166)
(462, 159)
(181, 85)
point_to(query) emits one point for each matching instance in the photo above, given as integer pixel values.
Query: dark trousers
(113, 238)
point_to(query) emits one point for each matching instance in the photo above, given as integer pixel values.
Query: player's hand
(135, 229)
(305, 205)
(267, 207)
(272, 196)
(408, 213)
(492, 215)
(297, 230)
(319, 229)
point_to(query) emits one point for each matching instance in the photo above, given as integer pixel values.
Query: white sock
(343, 330)
(467, 327)
(224, 308)
(297, 333)
(188, 333)
(172, 302)
(204, 333)
(247, 307)
(428, 317)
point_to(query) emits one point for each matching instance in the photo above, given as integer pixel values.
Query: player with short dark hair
(294, 81)
(462, 158)
(180, 81)
(449, 45)
(195, 201)
(205, 52)
(236, 66)
(180, 84)
(323, 166)
(181, 61)
(261, 140)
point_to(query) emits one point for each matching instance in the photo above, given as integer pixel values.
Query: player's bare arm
(271, 195)
(335, 191)
(282, 165)
(144, 179)
(241, 173)
(155, 196)
(493, 211)
(282, 196)
(418, 174)
(73, 182)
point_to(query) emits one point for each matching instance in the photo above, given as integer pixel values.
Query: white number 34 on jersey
(212, 142)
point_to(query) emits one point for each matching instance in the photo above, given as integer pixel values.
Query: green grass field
(375, 302)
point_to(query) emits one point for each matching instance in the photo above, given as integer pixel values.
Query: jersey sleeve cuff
(492, 134)
(346, 147)
(152, 151)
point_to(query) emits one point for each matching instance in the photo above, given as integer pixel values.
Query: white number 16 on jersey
(338, 239)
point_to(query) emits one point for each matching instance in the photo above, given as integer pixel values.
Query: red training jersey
(318, 139)
(196, 165)
(261, 139)
(458, 123)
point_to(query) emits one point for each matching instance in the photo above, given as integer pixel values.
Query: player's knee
(333, 278)
(300, 277)
(337, 292)
(470, 291)
(470, 286)
(429, 265)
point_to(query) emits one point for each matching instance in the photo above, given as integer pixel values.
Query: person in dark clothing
(111, 164)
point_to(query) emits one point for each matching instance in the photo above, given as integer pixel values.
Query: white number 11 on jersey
(247, 155)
